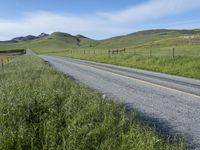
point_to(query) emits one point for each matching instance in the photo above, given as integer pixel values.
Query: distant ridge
(25, 38)
(81, 36)
(157, 31)
(60, 41)
(62, 34)
(43, 35)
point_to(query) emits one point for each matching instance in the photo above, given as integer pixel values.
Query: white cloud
(152, 9)
(100, 25)
(37, 22)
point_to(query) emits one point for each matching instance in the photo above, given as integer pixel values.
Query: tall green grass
(181, 65)
(41, 109)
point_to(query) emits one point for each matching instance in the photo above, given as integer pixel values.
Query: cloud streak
(99, 25)
(37, 22)
(152, 9)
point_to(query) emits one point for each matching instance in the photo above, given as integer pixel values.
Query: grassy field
(181, 65)
(150, 50)
(42, 109)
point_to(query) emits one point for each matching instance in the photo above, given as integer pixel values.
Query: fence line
(173, 52)
(7, 55)
(117, 51)
(2, 65)
(5, 61)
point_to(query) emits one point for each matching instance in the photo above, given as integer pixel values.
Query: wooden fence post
(173, 53)
(2, 64)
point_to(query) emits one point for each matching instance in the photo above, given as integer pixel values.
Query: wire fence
(6, 56)
(167, 52)
(4, 60)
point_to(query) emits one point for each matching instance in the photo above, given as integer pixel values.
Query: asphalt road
(169, 102)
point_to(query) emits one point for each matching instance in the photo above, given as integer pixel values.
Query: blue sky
(97, 19)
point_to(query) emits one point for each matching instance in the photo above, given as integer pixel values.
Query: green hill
(59, 41)
(149, 37)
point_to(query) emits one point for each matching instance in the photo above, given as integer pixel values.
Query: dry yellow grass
(5, 59)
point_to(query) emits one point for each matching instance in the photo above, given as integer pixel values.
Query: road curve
(171, 103)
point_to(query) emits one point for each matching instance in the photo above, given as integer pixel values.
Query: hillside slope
(59, 41)
(150, 37)
(56, 41)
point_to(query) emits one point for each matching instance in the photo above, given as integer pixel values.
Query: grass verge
(181, 65)
(42, 109)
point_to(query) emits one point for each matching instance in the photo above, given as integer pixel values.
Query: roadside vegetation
(43, 109)
(181, 65)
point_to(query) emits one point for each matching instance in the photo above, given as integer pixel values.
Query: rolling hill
(58, 41)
